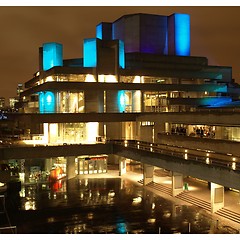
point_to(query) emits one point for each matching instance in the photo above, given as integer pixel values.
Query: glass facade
(70, 102)
(91, 164)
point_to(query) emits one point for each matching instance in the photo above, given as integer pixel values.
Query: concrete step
(185, 196)
(229, 214)
(160, 187)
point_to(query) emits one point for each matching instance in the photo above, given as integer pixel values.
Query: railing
(206, 157)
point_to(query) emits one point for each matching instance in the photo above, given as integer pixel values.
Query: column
(122, 166)
(70, 169)
(217, 197)
(147, 174)
(177, 183)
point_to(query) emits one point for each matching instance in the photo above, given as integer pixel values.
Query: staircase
(229, 214)
(187, 197)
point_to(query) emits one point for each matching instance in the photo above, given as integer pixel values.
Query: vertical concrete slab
(147, 174)
(70, 169)
(177, 183)
(217, 197)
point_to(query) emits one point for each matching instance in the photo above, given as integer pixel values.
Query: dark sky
(215, 34)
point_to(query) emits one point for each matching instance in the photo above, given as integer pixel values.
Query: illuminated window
(46, 102)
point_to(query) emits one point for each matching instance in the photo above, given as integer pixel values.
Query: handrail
(232, 163)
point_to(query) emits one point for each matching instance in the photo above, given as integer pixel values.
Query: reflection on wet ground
(103, 205)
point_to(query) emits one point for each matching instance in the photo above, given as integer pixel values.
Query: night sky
(215, 34)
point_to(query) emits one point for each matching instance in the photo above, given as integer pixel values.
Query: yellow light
(234, 166)
(151, 149)
(49, 79)
(90, 78)
(91, 131)
(125, 143)
(137, 79)
(234, 159)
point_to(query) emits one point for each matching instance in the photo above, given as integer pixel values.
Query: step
(226, 213)
(160, 187)
(195, 201)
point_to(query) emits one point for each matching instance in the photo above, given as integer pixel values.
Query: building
(149, 69)
(2, 102)
(136, 80)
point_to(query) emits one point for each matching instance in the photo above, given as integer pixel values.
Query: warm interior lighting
(90, 78)
(91, 131)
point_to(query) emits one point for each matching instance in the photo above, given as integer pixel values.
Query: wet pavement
(104, 203)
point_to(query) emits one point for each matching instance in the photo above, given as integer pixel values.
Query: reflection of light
(50, 220)
(234, 166)
(125, 143)
(137, 200)
(111, 193)
(151, 149)
(121, 228)
(234, 159)
(185, 156)
(22, 177)
(167, 214)
(153, 205)
(30, 205)
(207, 160)
(151, 220)
(90, 216)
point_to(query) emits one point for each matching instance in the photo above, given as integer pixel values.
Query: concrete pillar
(158, 128)
(122, 166)
(177, 183)
(93, 101)
(70, 168)
(217, 197)
(115, 101)
(147, 174)
(136, 101)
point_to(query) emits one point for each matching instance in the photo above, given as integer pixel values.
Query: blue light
(121, 101)
(99, 31)
(52, 55)
(215, 101)
(46, 102)
(121, 54)
(182, 34)
(90, 52)
(121, 228)
(41, 102)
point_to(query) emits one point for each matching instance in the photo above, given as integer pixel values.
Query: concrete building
(138, 64)
(137, 81)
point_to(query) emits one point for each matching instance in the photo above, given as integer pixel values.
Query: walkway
(198, 194)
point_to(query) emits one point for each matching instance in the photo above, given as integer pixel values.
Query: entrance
(92, 164)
